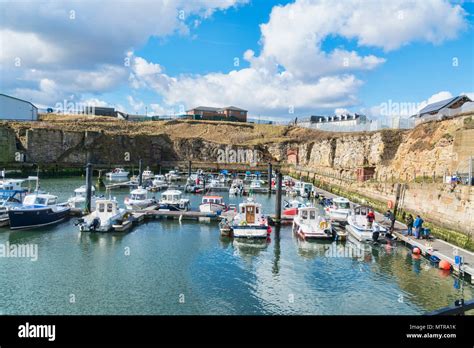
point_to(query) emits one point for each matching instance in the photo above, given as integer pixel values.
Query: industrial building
(16, 109)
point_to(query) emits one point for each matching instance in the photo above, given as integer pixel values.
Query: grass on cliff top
(218, 132)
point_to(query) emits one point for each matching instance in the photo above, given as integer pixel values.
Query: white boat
(249, 221)
(308, 224)
(173, 200)
(117, 173)
(79, 198)
(305, 189)
(339, 210)
(138, 199)
(172, 175)
(359, 227)
(212, 204)
(11, 184)
(103, 217)
(255, 184)
(147, 174)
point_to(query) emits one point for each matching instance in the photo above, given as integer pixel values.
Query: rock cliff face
(432, 147)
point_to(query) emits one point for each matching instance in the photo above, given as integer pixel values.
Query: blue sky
(290, 54)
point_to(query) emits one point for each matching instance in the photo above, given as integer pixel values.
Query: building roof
(25, 101)
(435, 107)
(214, 109)
(205, 108)
(233, 108)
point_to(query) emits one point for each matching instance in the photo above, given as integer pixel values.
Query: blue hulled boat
(37, 210)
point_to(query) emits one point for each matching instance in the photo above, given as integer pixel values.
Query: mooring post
(140, 172)
(88, 188)
(269, 176)
(279, 180)
(189, 168)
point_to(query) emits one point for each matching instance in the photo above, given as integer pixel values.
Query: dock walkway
(433, 246)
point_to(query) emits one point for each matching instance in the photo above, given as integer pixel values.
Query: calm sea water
(188, 268)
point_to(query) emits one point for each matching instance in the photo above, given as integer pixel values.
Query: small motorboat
(359, 227)
(37, 210)
(138, 199)
(308, 224)
(212, 204)
(250, 222)
(173, 200)
(103, 217)
(117, 173)
(339, 210)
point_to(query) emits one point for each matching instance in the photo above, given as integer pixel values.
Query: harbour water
(168, 267)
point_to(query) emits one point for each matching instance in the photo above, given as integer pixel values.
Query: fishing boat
(212, 204)
(255, 184)
(339, 210)
(79, 198)
(8, 200)
(236, 188)
(103, 217)
(249, 221)
(37, 210)
(308, 224)
(359, 227)
(117, 173)
(138, 199)
(173, 200)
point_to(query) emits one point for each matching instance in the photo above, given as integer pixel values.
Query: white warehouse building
(12, 108)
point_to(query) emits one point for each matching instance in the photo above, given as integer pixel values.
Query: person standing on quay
(409, 222)
(418, 224)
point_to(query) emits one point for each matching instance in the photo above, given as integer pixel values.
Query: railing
(457, 309)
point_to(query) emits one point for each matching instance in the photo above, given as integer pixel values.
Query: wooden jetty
(180, 215)
(121, 184)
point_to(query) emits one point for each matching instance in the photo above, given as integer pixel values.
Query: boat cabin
(40, 199)
(213, 199)
(11, 184)
(108, 206)
(82, 191)
(250, 210)
(342, 203)
(139, 194)
(308, 214)
(361, 210)
(171, 195)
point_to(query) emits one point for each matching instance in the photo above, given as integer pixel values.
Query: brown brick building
(229, 113)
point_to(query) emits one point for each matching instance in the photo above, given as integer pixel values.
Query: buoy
(416, 251)
(390, 204)
(445, 265)
(269, 230)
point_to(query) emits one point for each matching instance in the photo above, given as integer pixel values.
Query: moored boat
(102, 219)
(339, 210)
(138, 199)
(37, 210)
(250, 222)
(79, 198)
(359, 227)
(212, 204)
(173, 200)
(117, 173)
(308, 224)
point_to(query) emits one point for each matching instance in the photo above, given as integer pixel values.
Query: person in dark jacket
(409, 222)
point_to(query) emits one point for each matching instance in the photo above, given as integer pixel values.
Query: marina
(183, 231)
